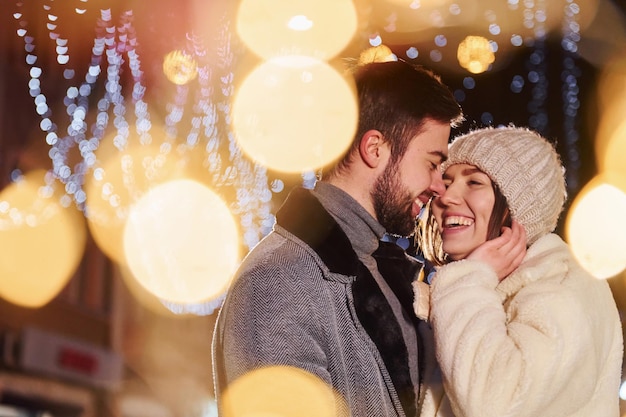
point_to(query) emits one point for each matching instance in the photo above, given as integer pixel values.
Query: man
(318, 293)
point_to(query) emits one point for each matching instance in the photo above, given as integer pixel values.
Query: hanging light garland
(206, 81)
(115, 44)
(534, 19)
(114, 49)
(569, 91)
(76, 100)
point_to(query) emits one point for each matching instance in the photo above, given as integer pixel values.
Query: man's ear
(373, 148)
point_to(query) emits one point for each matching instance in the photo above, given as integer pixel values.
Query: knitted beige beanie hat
(526, 168)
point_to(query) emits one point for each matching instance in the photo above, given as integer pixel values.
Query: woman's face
(464, 210)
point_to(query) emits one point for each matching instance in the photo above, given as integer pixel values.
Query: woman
(544, 340)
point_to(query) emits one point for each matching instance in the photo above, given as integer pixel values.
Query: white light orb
(320, 28)
(181, 242)
(118, 182)
(294, 114)
(594, 229)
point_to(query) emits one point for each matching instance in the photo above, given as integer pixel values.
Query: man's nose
(450, 196)
(437, 186)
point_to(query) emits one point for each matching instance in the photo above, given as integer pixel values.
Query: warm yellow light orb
(475, 54)
(41, 242)
(380, 53)
(281, 391)
(294, 114)
(121, 179)
(596, 235)
(179, 67)
(612, 149)
(181, 242)
(320, 28)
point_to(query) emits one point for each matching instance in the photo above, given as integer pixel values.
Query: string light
(206, 123)
(534, 19)
(114, 49)
(569, 91)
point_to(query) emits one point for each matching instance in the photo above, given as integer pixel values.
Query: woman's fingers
(504, 253)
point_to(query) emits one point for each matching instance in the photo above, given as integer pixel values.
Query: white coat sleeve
(507, 359)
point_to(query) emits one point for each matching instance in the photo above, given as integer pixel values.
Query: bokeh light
(294, 114)
(612, 154)
(475, 55)
(93, 73)
(610, 138)
(596, 236)
(181, 242)
(179, 67)
(595, 20)
(41, 242)
(320, 29)
(121, 179)
(408, 20)
(281, 391)
(622, 390)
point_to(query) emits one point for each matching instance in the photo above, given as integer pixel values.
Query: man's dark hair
(396, 98)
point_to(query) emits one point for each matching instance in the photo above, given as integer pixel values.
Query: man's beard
(393, 203)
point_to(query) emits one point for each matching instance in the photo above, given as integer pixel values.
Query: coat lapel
(304, 216)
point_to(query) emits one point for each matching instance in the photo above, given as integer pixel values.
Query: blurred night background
(146, 145)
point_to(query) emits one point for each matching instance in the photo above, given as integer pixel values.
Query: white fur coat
(546, 341)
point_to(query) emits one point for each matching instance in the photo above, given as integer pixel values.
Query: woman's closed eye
(477, 179)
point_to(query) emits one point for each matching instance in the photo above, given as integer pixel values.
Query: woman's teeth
(452, 221)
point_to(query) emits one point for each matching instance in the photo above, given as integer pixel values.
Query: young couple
(514, 326)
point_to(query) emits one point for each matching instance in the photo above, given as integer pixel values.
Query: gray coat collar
(304, 216)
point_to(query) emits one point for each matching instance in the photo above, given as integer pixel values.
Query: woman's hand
(504, 253)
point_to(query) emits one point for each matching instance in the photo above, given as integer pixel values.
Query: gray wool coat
(302, 298)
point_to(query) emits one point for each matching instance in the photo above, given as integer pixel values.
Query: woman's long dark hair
(428, 238)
